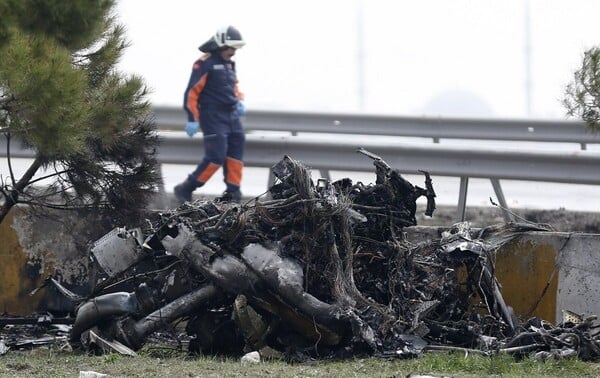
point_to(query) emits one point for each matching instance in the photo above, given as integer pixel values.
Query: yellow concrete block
(528, 274)
(18, 275)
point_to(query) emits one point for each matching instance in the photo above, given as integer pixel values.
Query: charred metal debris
(311, 271)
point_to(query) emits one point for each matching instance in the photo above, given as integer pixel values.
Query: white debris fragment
(3, 348)
(252, 357)
(91, 374)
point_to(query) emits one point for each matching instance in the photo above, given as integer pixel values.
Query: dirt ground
(559, 220)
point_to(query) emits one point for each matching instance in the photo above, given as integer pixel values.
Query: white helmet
(230, 37)
(226, 36)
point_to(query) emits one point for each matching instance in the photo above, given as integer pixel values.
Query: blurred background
(460, 58)
(490, 58)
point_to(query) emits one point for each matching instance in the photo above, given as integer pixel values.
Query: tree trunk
(11, 197)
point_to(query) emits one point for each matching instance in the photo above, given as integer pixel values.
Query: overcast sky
(426, 57)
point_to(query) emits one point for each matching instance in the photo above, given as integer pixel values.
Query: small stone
(252, 357)
(91, 374)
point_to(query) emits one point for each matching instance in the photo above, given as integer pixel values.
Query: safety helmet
(230, 37)
(227, 36)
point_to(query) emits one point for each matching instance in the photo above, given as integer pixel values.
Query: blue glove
(241, 109)
(191, 128)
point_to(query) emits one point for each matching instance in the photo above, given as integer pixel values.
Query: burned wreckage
(311, 270)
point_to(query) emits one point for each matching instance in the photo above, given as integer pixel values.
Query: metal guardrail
(580, 167)
(338, 153)
(172, 118)
(472, 163)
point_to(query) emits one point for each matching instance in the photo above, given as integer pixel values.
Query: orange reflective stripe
(234, 171)
(207, 173)
(194, 95)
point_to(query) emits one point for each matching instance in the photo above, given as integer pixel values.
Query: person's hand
(192, 128)
(241, 109)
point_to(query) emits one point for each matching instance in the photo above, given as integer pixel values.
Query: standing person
(213, 104)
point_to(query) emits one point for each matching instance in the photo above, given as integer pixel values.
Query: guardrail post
(325, 174)
(462, 199)
(508, 217)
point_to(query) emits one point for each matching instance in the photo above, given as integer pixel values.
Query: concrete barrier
(541, 273)
(35, 248)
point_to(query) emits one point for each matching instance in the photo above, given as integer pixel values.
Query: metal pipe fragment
(100, 308)
(133, 333)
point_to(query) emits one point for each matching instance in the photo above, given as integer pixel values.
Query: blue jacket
(213, 83)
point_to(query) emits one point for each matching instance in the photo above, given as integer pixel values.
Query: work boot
(231, 196)
(183, 191)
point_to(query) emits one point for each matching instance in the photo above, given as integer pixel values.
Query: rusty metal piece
(253, 328)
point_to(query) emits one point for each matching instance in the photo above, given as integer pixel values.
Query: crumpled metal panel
(117, 250)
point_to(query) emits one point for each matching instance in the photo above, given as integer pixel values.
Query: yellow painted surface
(17, 277)
(525, 269)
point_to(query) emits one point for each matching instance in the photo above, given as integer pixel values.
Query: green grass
(167, 362)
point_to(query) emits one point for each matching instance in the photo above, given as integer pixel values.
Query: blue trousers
(223, 147)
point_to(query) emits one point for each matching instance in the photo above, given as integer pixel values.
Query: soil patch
(559, 220)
